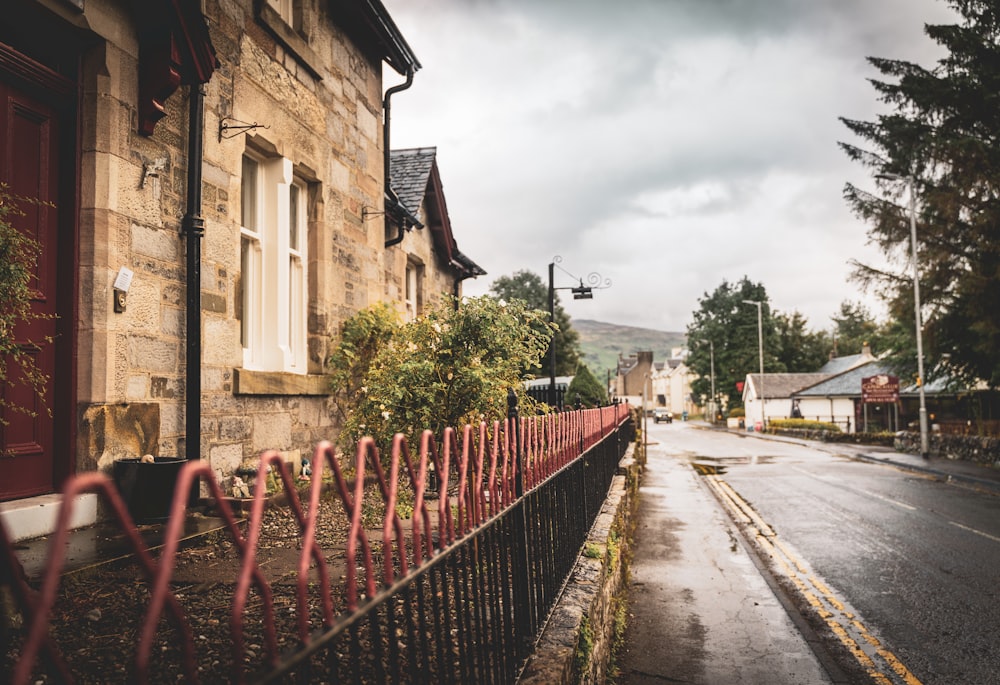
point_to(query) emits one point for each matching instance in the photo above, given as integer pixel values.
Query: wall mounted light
(120, 289)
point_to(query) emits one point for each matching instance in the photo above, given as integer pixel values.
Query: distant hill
(603, 342)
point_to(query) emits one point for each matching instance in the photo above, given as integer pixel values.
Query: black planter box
(147, 488)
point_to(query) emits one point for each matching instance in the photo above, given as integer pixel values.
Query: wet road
(901, 570)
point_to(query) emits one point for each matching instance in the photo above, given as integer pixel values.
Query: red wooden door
(29, 154)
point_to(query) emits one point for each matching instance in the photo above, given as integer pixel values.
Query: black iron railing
(456, 593)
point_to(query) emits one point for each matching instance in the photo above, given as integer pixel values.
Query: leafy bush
(737, 413)
(803, 424)
(18, 261)
(451, 366)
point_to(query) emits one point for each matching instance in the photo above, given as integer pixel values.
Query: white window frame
(285, 10)
(411, 290)
(274, 260)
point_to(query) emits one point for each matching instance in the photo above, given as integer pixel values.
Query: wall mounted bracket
(228, 124)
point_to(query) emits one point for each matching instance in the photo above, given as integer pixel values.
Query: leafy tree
(941, 135)
(449, 367)
(529, 288)
(586, 388)
(854, 326)
(799, 350)
(724, 321)
(18, 260)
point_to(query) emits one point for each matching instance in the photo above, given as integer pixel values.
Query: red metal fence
(457, 593)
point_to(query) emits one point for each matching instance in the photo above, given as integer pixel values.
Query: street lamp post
(580, 292)
(711, 352)
(711, 360)
(760, 352)
(645, 419)
(924, 439)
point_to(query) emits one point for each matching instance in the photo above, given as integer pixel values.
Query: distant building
(631, 383)
(642, 381)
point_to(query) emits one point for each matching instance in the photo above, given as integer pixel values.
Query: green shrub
(450, 367)
(737, 413)
(803, 424)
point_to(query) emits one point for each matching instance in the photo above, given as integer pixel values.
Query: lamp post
(645, 418)
(711, 352)
(711, 360)
(760, 351)
(580, 292)
(924, 439)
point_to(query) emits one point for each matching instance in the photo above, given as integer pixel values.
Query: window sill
(247, 382)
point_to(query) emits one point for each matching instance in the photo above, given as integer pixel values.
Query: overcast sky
(665, 144)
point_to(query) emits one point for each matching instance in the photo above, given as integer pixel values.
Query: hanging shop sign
(878, 389)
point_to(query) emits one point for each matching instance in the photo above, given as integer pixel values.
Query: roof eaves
(383, 31)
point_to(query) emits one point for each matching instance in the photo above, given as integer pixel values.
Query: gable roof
(848, 361)
(414, 177)
(846, 383)
(409, 172)
(784, 384)
(841, 364)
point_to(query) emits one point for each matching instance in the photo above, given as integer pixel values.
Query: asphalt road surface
(891, 577)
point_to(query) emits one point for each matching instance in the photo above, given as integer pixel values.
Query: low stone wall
(982, 450)
(578, 642)
(883, 439)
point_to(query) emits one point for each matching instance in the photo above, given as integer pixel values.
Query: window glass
(273, 263)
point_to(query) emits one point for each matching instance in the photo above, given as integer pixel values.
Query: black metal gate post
(519, 552)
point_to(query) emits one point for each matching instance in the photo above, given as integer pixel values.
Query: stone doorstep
(35, 517)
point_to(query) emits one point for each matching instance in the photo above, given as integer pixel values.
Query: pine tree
(586, 389)
(799, 349)
(942, 136)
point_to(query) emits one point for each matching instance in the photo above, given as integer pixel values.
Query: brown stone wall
(318, 103)
(438, 277)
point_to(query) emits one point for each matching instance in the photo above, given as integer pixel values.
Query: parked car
(660, 414)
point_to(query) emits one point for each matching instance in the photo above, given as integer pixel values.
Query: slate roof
(845, 384)
(840, 364)
(414, 177)
(848, 361)
(409, 172)
(848, 383)
(784, 384)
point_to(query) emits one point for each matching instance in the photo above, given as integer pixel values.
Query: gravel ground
(98, 615)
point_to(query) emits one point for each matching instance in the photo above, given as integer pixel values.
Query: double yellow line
(881, 665)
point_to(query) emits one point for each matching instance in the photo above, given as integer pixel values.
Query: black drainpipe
(388, 149)
(193, 228)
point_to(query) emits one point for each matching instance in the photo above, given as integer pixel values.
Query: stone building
(239, 146)
(632, 379)
(428, 260)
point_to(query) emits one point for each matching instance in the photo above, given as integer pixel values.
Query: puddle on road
(716, 466)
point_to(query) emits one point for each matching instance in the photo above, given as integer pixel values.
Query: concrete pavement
(700, 610)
